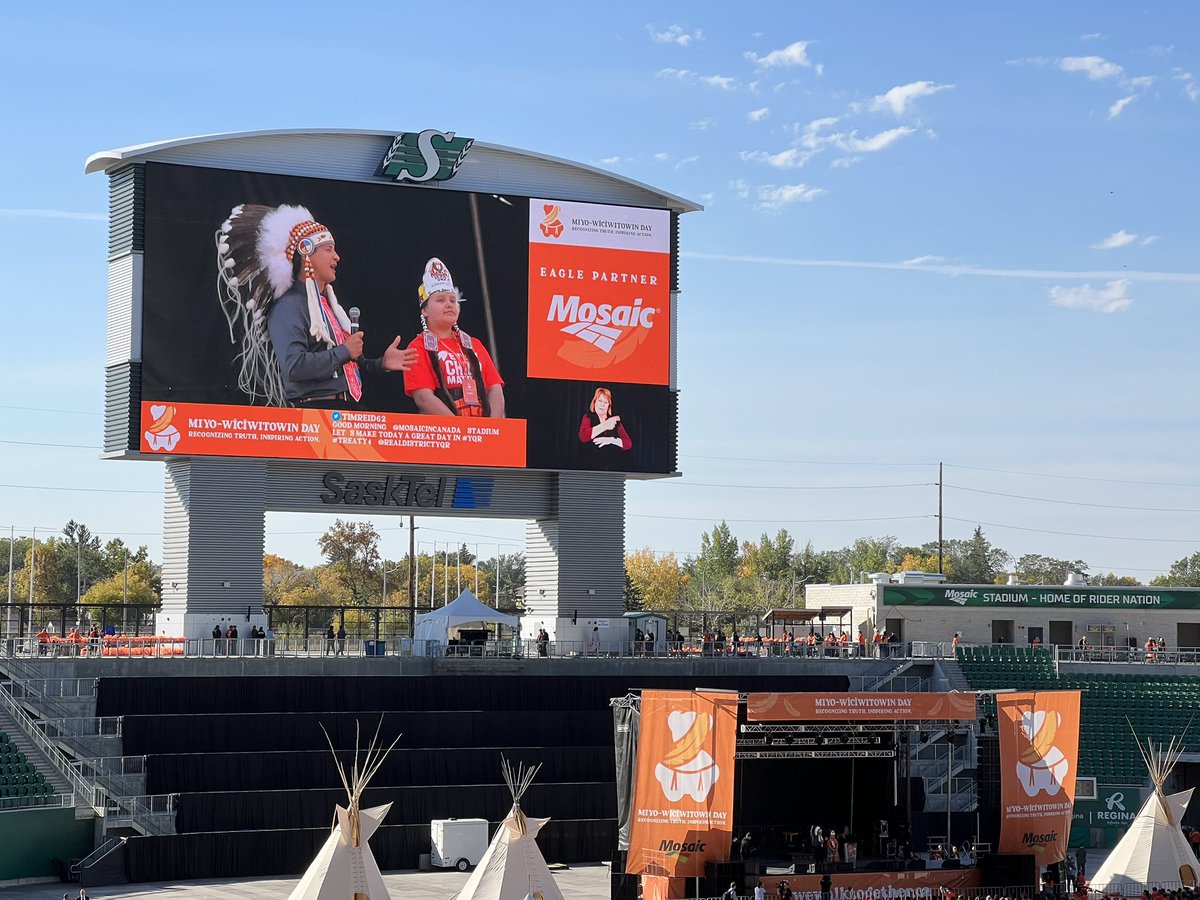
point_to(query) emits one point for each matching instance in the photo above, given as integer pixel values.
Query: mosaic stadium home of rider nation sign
(1040, 597)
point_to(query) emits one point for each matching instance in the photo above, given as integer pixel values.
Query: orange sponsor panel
(816, 706)
(599, 313)
(1039, 758)
(683, 793)
(913, 885)
(206, 429)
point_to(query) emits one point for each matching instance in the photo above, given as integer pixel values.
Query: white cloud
(1096, 68)
(1108, 299)
(703, 124)
(1119, 106)
(957, 270)
(11, 213)
(1149, 239)
(661, 157)
(723, 82)
(844, 162)
(922, 260)
(790, 158)
(792, 55)
(1141, 81)
(686, 161)
(1092, 36)
(772, 197)
(610, 161)
(819, 68)
(852, 143)
(740, 186)
(757, 115)
(898, 99)
(675, 34)
(812, 138)
(1117, 239)
(1189, 84)
(708, 198)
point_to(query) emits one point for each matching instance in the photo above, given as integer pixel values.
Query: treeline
(771, 572)
(76, 565)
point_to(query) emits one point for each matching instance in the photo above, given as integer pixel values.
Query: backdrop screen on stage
(497, 331)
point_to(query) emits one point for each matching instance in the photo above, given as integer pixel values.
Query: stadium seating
(1113, 707)
(18, 776)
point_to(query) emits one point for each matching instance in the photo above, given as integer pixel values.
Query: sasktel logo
(600, 325)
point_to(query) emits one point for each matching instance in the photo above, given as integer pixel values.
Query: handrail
(107, 847)
(83, 791)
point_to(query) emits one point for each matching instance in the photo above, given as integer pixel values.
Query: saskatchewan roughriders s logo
(426, 156)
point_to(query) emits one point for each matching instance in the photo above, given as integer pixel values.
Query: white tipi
(344, 866)
(1154, 849)
(513, 867)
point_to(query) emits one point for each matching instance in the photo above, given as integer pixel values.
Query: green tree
(1111, 579)
(632, 596)
(512, 577)
(769, 558)
(869, 554)
(352, 553)
(1184, 573)
(135, 587)
(976, 561)
(1033, 568)
(719, 553)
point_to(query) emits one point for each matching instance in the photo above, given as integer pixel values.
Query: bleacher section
(257, 784)
(1154, 705)
(19, 778)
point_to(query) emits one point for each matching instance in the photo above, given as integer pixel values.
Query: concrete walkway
(578, 883)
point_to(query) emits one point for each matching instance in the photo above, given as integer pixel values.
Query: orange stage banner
(683, 790)
(1039, 755)
(811, 707)
(206, 429)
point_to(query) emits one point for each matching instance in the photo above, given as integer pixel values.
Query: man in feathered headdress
(452, 374)
(276, 268)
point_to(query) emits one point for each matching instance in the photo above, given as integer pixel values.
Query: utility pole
(941, 571)
(412, 576)
(32, 574)
(78, 566)
(12, 539)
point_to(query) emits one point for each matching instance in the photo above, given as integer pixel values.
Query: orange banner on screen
(1039, 755)
(683, 790)
(206, 429)
(814, 706)
(599, 314)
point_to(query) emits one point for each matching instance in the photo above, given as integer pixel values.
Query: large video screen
(496, 330)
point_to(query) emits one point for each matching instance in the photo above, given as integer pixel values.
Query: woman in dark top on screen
(600, 427)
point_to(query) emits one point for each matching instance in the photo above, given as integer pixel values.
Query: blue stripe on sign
(473, 493)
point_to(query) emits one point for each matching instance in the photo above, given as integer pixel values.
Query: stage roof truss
(805, 753)
(925, 725)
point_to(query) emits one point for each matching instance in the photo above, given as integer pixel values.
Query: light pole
(32, 574)
(78, 566)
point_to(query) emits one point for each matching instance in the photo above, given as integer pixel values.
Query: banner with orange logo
(1039, 756)
(599, 293)
(683, 794)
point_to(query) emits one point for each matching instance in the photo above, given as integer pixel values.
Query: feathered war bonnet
(255, 249)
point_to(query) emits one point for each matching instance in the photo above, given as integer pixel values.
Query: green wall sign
(1114, 807)
(1041, 597)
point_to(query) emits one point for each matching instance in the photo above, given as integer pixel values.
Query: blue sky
(933, 233)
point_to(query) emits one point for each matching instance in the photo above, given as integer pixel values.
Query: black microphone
(354, 314)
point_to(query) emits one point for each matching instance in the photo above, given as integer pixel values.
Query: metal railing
(150, 813)
(41, 801)
(1185, 656)
(84, 792)
(123, 776)
(105, 848)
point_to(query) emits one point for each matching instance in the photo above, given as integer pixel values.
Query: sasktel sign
(599, 292)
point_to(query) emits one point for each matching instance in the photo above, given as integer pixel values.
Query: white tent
(1153, 850)
(513, 867)
(344, 866)
(466, 609)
